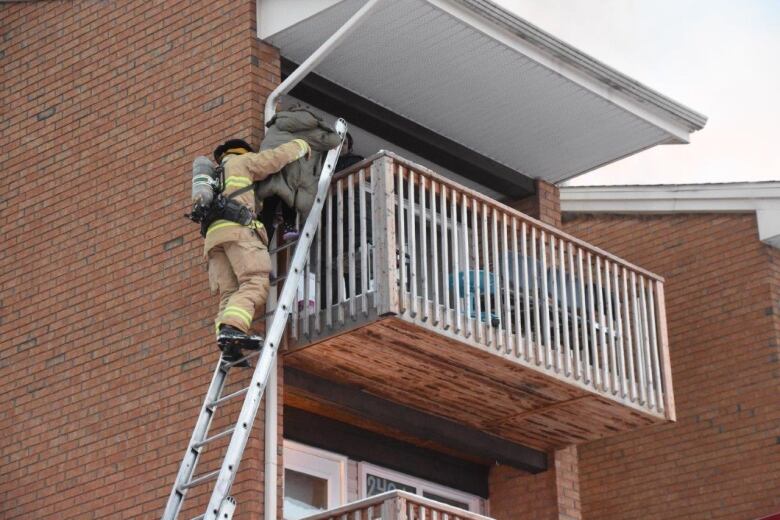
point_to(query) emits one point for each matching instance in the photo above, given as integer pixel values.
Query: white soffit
(763, 198)
(478, 75)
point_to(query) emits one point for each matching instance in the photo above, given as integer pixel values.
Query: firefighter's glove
(305, 148)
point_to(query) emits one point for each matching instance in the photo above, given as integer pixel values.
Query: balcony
(426, 293)
(397, 505)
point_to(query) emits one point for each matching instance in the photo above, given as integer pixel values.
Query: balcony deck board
(405, 363)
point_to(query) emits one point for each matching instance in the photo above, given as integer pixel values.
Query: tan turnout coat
(241, 171)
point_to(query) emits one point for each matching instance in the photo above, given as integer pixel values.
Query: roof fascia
(576, 66)
(763, 199)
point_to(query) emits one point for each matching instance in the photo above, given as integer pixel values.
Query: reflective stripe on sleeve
(237, 182)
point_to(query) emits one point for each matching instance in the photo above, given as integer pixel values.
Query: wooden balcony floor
(411, 365)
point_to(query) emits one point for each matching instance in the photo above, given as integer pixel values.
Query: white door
(313, 480)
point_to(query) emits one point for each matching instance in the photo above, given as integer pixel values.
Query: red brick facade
(722, 457)
(106, 341)
(105, 317)
(551, 495)
(544, 205)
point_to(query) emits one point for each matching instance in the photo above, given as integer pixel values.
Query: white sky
(719, 57)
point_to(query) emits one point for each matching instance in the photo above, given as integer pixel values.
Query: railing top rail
(503, 207)
(395, 494)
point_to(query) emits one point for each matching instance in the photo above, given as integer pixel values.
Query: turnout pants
(239, 272)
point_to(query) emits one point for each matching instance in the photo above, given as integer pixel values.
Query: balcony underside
(404, 362)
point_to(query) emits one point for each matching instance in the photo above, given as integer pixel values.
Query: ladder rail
(246, 418)
(192, 454)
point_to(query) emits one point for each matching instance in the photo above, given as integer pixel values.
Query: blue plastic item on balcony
(487, 286)
(491, 282)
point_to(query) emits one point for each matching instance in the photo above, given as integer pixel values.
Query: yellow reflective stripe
(303, 145)
(219, 224)
(238, 312)
(245, 313)
(239, 151)
(238, 181)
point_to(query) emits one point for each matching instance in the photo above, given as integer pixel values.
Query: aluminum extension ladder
(221, 506)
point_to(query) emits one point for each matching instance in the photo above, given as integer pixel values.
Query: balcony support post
(663, 346)
(383, 187)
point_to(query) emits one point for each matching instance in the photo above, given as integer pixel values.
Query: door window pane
(304, 494)
(445, 500)
(376, 485)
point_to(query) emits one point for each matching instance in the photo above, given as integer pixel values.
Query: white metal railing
(397, 505)
(397, 238)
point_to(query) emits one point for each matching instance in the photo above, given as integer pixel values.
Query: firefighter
(238, 260)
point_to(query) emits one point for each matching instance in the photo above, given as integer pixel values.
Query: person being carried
(238, 260)
(295, 188)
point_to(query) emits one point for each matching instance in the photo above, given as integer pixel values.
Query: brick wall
(722, 457)
(551, 495)
(106, 342)
(544, 205)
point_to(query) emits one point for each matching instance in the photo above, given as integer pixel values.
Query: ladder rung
(199, 517)
(200, 480)
(213, 438)
(276, 280)
(218, 402)
(282, 248)
(252, 354)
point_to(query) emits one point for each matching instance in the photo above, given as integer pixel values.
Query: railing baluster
(402, 240)
(455, 260)
(364, 274)
(611, 327)
(621, 344)
(646, 346)
(466, 271)
(504, 261)
(593, 357)
(654, 346)
(556, 300)
(445, 262)
(425, 310)
(602, 328)
(329, 264)
(638, 341)
(535, 300)
(412, 247)
(584, 322)
(303, 324)
(518, 345)
(486, 291)
(565, 313)
(496, 268)
(477, 310)
(545, 303)
(351, 230)
(435, 254)
(340, 285)
(663, 353)
(527, 333)
(575, 317)
(628, 331)
(294, 316)
(318, 300)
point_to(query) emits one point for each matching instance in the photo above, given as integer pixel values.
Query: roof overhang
(763, 198)
(485, 79)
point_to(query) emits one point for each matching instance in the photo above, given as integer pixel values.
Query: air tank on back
(204, 181)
